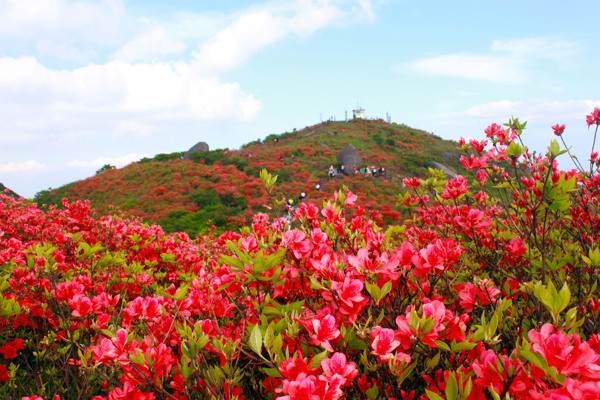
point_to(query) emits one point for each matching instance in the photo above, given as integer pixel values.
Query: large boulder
(450, 173)
(349, 157)
(197, 148)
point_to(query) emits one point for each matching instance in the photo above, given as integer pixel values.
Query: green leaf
(373, 392)
(514, 149)
(564, 298)
(462, 346)
(256, 339)
(451, 387)
(232, 261)
(433, 395)
(274, 372)
(316, 360)
(535, 358)
(182, 292)
(432, 362)
(554, 148)
(442, 345)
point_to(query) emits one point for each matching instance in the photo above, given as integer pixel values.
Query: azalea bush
(489, 290)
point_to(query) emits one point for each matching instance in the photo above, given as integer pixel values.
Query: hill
(222, 188)
(7, 191)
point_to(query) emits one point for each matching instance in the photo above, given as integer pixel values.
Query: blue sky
(86, 83)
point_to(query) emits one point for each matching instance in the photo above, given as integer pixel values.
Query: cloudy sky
(88, 83)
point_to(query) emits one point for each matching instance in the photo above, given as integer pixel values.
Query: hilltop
(222, 188)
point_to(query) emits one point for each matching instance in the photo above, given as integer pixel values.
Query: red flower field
(488, 291)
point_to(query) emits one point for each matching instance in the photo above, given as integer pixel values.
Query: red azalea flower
(383, 343)
(558, 129)
(593, 118)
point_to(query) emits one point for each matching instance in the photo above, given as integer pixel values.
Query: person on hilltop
(318, 187)
(331, 171)
(301, 197)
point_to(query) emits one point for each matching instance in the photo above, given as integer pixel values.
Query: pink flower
(516, 248)
(9, 349)
(473, 162)
(412, 183)
(565, 352)
(478, 145)
(383, 343)
(325, 330)
(428, 260)
(337, 365)
(292, 368)
(558, 129)
(593, 118)
(81, 305)
(350, 199)
(105, 352)
(297, 242)
(350, 293)
(304, 387)
(455, 188)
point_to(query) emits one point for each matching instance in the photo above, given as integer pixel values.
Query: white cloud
(488, 68)
(112, 94)
(538, 47)
(29, 165)
(509, 61)
(38, 18)
(535, 110)
(148, 46)
(364, 10)
(133, 94)
(13, 138)
(261, 27)
(101, 161)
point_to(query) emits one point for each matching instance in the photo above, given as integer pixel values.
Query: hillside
(223, 188)
(7, 191)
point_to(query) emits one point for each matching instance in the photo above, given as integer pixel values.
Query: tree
(106, 167)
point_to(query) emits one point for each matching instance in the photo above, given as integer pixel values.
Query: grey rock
(450, 173)
(450, 155)
(323, 145)
(349, 157)
(197, 148)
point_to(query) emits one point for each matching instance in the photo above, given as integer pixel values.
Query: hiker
(343, 171)
(318, 187)
(331, 171)
(301, 197)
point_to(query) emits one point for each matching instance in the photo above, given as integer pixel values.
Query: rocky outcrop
(197, 148)
(450, 155)
(349, 157)
(450, 173)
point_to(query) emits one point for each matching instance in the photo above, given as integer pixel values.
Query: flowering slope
(488, 292)
(223, 188)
